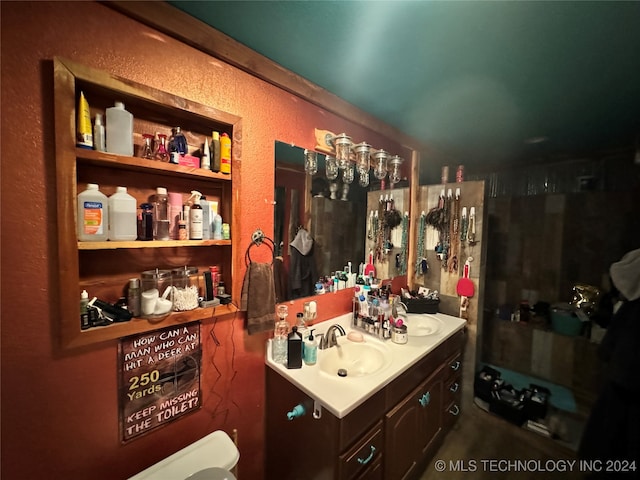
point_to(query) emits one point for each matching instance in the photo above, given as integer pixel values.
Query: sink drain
(342, 372)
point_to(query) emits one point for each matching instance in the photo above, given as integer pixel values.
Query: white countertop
(341, 395)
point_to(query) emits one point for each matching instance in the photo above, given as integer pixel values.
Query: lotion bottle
(195, 217)
(310, 349)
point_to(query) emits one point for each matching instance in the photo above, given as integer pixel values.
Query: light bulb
(343, 145)
(310, 162)
(380, 160)
(331, 168)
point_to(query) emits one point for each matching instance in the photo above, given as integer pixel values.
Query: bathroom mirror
(315, 215)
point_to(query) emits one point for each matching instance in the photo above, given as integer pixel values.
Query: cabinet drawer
(451, 413)
(363, 454)
(453, 366)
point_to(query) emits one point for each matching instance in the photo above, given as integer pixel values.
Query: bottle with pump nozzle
(195, 217)
(310, 353)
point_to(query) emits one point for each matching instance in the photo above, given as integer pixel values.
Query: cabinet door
(412, 427)
(429, 413)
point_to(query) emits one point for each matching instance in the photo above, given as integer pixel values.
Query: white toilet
(210, 458)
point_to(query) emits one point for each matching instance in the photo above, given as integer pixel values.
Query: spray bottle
(195, 217)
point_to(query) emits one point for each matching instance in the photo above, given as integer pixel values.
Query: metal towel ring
(258, 238)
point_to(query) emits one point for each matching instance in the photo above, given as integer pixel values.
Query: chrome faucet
(328, 340)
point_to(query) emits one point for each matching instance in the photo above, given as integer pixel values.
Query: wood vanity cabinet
(392, 435)
(104, 268)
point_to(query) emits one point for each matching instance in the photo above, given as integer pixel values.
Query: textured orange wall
(59, 409)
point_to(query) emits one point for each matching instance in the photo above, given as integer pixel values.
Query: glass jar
(394, 169)
(348, 174)
(157, 294)
(186, 288)
(380, 161)
(331, 168)
(343, 145)
(310, 162)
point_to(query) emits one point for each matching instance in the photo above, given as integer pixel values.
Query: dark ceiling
(476, 81)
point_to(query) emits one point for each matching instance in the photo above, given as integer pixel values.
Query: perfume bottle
(161, 152)
(146, 151)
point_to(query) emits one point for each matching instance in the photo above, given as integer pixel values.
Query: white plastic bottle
(119, 130)
(93, 215)
(99, 137)
(122, 216)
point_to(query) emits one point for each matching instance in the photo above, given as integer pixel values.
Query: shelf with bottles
(108, 245)
(92, 157)
(102, 268)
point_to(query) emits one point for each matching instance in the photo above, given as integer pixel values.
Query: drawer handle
(456, 365)
(425, 399)
(364, 461)
(454, 387)
(455, 410)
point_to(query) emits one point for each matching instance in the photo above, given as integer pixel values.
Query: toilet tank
(215, 450)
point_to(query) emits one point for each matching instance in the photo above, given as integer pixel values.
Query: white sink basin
(422, 325)
(353, 359)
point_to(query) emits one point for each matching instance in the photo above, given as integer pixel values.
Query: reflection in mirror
(319, 223)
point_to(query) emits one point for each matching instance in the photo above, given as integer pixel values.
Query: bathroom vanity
(383, 420)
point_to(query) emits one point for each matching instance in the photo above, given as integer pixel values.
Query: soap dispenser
(310, 349)
(294, 349)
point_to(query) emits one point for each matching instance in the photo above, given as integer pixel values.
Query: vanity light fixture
(394, 169)
(310, 162)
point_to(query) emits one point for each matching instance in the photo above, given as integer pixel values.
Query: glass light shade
(331, 168)
(364, 179)
(310, 162)
(380, 162)
(394, 167)
(362, 156)
(343, 145)
(348, 173)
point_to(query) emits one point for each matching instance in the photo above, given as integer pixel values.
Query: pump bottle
(195, 217)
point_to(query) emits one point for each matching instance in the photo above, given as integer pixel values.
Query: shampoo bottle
(294, 349)
(225, 154)
(206, 218)
(310, 349)
(217, 227)
(205, 161)
(119, 130)
(93, 215)
(195, 217)
(215, 152)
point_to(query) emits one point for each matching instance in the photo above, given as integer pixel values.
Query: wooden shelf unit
(105, 267)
